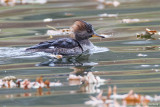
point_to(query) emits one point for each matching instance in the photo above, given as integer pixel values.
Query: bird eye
(89, 31)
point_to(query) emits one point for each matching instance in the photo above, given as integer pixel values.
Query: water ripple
(138, 42)
(14, 52)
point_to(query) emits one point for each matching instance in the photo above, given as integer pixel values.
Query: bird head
(83, 30)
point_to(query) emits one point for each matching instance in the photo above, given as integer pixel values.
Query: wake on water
(16, 52)
(97, 49)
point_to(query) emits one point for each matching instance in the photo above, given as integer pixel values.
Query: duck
(75, 45)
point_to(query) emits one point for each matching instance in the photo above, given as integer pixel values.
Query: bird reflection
(80, 66)
(81, 60)
(80, 70)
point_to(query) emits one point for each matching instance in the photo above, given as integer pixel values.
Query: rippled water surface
(129, 63)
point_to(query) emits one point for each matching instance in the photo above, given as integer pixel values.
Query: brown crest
(80, 26)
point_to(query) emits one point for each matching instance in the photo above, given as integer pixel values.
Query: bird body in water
(80, 42)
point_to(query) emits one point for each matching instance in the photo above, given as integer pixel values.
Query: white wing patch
(52, 47)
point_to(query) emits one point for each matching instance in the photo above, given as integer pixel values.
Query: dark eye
(89, 31)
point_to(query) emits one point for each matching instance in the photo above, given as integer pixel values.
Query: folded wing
(58, 46)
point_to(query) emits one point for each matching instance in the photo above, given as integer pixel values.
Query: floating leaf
(148, 34)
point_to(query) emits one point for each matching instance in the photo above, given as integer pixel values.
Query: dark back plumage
(57, 43)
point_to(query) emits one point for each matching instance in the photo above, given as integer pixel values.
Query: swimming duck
(80, 42)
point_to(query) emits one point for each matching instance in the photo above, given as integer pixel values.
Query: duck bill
(96, 35)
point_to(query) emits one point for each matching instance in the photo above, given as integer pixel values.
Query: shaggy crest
(81, 26)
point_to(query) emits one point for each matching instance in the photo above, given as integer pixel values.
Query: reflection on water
(70, 61)
(138, 42)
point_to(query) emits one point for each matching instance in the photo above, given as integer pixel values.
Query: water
(129, 63)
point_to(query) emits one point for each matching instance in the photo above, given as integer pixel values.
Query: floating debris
(133, 20)
(48, 20)
(108, 15)
(8, 78)
(133, 98)
(100, 6)
(106, 2)
(150, 48)
(155, 70)
(35, 1)
(147, 35)
(150, 31)
(14, 2)
(145, 65)
(8, 2)
(156, 65)
(58, 32)
(89, 83)
(74, 77)
(144, 55)
(12, 82)
(91, 88)
(75, 80)
(91, 79)
(114, 3)
(87, 79)
(127, 99)
(68, 14)
(130, 20)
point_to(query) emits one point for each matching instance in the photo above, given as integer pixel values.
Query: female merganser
(80, 42)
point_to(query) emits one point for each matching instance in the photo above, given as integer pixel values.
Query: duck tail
(42, 45)
(30, 49)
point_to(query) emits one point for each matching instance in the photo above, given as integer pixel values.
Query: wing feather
(57, 43)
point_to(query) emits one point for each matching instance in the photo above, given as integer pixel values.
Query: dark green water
(23, 26)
